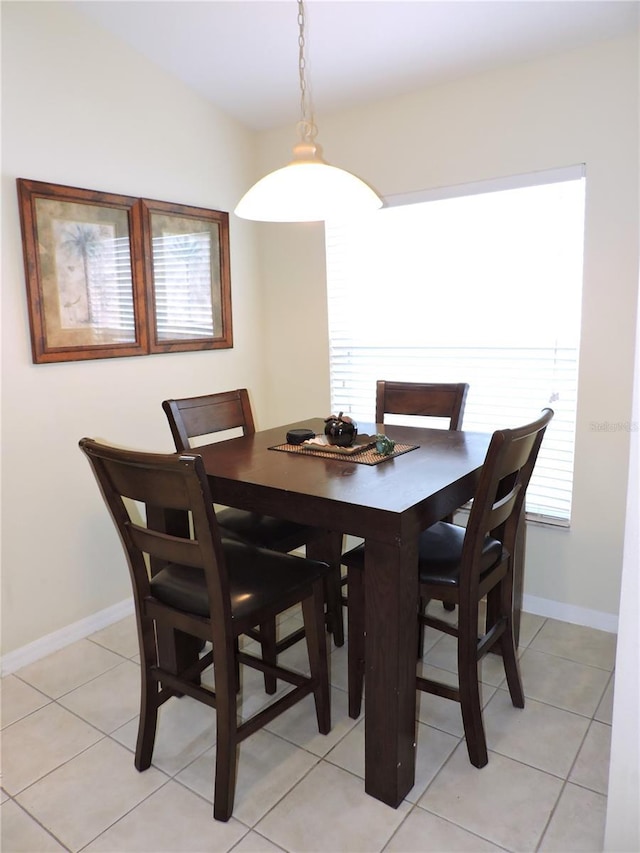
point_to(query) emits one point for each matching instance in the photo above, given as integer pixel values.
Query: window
(480, 284)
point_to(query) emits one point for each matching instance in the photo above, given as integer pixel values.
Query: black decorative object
(340, 430)
(297, 436)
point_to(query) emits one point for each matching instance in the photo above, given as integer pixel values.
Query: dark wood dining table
(386, 504)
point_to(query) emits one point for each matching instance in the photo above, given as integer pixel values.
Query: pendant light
(307, 189)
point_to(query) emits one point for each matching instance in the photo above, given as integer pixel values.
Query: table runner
(365, 457)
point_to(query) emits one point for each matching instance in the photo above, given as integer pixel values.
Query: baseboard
(32, 652)
(571, 613)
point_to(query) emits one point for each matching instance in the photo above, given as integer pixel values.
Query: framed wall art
(111, 275)
(186, 256)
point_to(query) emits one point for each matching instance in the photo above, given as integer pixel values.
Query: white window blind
(483, 288)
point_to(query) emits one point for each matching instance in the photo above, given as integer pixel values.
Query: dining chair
(463, 566)
(229, 412)
(442, 400)
(425, 399)
(209, 589)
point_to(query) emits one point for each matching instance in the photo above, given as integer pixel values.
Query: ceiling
(243, 54)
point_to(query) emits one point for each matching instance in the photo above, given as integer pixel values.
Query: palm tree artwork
(80, 246)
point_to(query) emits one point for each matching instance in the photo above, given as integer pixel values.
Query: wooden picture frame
(186, 260)
(111, 275)
(84, 291)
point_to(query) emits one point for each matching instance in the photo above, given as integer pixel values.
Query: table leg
(176, 650)
(328, 548)
(391, 600)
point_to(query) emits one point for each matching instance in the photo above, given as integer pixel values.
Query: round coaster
(297, 436)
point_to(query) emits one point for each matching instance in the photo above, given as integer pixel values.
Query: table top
(415, 489)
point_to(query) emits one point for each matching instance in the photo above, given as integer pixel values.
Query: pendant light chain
(306, 126)
(308, 189)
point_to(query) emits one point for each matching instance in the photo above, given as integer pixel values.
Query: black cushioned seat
(264, 530)
(439, 554)
(259, 578)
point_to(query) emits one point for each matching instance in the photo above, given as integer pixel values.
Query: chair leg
(470, 691)
(149, 687)
(356, 631)
(512, 667)
(226, 736)
(147, 723)
(508, 643)
(473, 726)
(269, 655)
(313, 614)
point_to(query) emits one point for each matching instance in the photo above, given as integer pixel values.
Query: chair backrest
(430, 399)
(499, 498)
(191, 417)
(164, 482)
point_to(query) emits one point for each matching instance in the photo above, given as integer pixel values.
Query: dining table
(387, 502)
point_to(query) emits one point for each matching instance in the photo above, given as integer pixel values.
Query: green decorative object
(384, 445)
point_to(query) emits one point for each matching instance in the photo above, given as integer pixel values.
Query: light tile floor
(69, 725)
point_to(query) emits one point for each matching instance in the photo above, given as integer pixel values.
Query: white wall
(578, 107)
(623, 795)
(83, 110)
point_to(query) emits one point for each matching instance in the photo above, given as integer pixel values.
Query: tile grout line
(41, 825)
(128, 812)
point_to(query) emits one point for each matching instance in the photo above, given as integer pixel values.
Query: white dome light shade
(307, 190)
